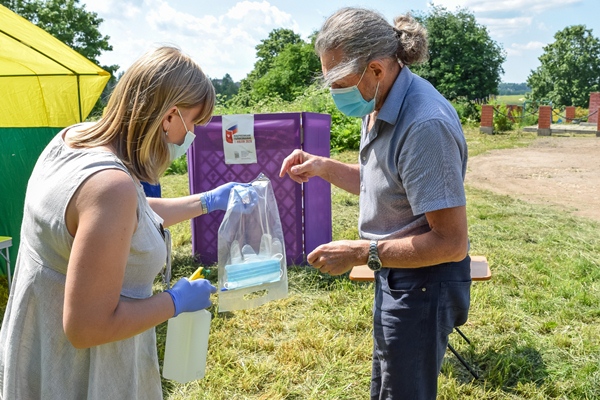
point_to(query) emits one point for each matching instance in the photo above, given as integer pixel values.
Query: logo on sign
(229, 132)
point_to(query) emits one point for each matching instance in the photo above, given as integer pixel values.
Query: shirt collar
(391, 107)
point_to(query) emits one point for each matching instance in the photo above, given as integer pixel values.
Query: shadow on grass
(506, 369)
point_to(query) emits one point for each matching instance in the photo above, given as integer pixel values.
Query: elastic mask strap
(363, 74)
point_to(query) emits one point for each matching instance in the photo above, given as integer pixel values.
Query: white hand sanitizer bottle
(187, 344)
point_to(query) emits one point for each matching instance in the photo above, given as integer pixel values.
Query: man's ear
(378, 68)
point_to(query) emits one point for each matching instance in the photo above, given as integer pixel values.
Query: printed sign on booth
(238, 139)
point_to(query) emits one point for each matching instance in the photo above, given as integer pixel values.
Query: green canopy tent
(44, 86)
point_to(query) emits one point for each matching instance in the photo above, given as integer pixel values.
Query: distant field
(517, 99)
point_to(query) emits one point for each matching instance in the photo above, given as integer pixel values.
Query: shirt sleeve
(430, 165)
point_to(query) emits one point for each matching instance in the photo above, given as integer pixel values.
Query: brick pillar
(598, 123)
(570, 114)
(594, 104)
(487, 119)
(544, 121)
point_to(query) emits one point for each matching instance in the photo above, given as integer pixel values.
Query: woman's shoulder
(70, 133)
(108, 194)
(110, 184)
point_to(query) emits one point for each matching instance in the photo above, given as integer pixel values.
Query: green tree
(463, 60)
(569, 70)
(291, 72)
(225, 87)
(285, 65)
(269, 48)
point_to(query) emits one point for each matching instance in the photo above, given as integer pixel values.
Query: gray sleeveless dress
(36, 359)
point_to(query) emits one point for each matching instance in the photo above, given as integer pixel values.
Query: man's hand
(339, 257)
(300, 166)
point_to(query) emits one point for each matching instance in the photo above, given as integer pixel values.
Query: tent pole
(59, 63)
(79, 99)
(36, 50)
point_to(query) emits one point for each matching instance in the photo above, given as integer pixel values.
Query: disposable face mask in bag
(252, 261)
(253, 273)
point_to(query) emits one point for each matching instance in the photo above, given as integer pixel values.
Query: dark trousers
(415, 310)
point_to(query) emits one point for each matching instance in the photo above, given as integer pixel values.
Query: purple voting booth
(304, 210)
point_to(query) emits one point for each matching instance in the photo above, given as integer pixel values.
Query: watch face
(375, 265)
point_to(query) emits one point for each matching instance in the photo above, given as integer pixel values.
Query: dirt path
(557, 171)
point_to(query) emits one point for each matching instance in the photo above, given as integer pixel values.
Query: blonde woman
(80, 320)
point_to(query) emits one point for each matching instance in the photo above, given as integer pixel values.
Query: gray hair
(364, 35)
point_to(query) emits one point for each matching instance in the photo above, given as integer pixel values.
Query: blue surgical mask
(351, 102)
(253, 273)
(177, 150)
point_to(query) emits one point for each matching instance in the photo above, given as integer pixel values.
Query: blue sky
(221, 35)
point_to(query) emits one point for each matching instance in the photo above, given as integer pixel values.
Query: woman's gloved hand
(244, 199)
(217, 198)
(189, 296)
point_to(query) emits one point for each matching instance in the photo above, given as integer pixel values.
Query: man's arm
(446, 242)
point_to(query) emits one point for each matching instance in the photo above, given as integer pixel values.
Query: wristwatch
(374, 262)
(203, 205)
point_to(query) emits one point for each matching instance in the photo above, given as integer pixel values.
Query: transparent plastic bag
(252, 263)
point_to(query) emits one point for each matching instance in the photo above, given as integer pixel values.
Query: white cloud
(506, 17)
(506, 26)
(164, 18)
(252, 12)
(517, 49)
(115, 9)
(529, 46)
(218, 42)
(518, 6)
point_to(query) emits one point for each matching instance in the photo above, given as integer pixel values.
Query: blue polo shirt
(412, 161)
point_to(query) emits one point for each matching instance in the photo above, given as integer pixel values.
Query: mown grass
(534, 326)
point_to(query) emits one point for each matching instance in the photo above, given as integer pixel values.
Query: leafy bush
(468, 112)
(527, 119)
(178, 166)
(581, 114)
(529, 114)
(345, 131)
(502, 122)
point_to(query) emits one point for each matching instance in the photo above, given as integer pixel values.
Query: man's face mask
(177, 150)
(351, 102)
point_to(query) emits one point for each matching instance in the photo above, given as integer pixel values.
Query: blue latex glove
(244, 198)
(191, 296)
(217, 198)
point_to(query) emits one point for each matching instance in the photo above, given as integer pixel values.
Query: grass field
(534, 326)
(517, 99)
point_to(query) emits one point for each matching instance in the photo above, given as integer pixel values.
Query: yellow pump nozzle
(198, 274)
